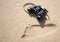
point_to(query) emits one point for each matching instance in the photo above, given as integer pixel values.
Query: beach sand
(14, 20)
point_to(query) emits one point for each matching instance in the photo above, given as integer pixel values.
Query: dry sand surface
(14, 20)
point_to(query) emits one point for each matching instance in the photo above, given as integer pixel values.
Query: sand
(14, 20)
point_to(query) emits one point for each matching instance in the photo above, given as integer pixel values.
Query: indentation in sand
(36, 32)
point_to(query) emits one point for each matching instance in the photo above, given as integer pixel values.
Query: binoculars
(38, 11)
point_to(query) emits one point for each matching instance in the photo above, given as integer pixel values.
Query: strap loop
(26, 5)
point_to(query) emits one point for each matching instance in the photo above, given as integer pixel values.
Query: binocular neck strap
(26, 5)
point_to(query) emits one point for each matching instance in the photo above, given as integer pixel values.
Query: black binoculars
(38, 11)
